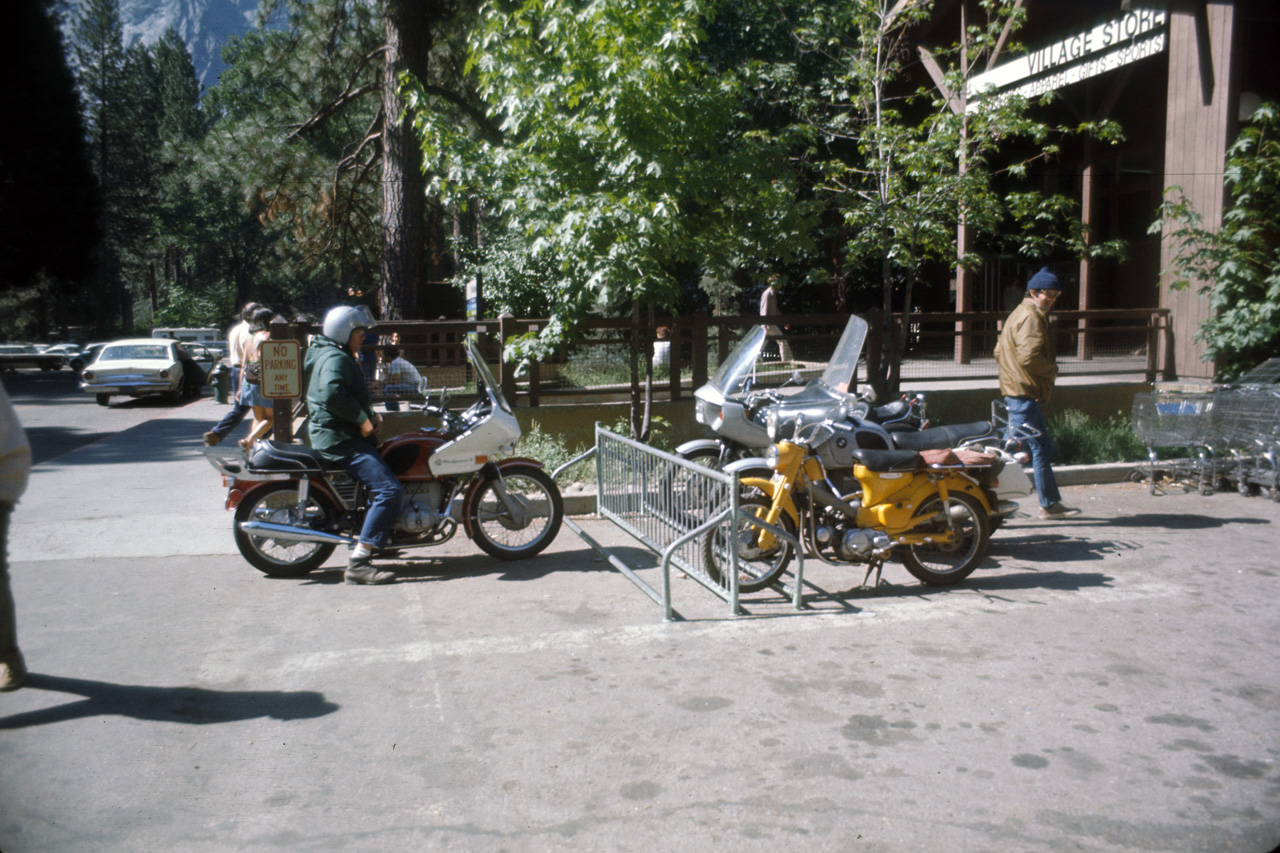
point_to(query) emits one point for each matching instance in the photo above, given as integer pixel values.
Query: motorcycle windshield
(730, 377)
(839, 375)
(485, 375)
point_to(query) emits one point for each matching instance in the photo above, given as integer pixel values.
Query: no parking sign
(281, 370)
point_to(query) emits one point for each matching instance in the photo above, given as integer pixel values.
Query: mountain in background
(204, 25)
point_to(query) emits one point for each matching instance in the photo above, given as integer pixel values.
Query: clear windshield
(839, 375)
(734, 370)
(485, 375)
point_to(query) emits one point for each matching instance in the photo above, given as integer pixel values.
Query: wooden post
(699, 372)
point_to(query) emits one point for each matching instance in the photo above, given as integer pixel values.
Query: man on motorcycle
(1025, 359)
(343, 428)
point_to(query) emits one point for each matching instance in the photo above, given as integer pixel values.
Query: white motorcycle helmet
(341, 321)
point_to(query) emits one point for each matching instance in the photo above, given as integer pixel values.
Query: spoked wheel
(523, 524)
(277, 503)
(949, 562)
(758, 567)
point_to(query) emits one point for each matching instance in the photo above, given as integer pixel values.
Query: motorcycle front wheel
(528, 525)
(757, 567)
(277, 503)
(951, 562)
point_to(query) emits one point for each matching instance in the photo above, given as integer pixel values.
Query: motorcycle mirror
(867, 393)
(797, 377)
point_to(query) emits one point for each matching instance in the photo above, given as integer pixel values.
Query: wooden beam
(1004, 35)
(930, 63)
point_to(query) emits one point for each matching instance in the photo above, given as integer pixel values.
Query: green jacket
(1025, 354)
(338, 399)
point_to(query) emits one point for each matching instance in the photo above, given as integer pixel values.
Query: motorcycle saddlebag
(280, 458)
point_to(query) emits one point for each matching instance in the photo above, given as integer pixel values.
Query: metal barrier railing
(671, 506)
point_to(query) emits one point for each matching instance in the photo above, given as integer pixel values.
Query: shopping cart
(1184, 422)
(1248, 424)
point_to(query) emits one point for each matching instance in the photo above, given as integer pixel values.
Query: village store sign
(1133, 35)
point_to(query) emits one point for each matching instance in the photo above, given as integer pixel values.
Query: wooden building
(1178, 77)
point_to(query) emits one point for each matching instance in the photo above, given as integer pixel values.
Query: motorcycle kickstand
(878, 568)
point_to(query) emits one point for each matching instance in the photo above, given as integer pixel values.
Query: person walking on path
(251, 392)
(768, 306)
(1025, 357)
(15, 468)
(237, 339)
(343, 429)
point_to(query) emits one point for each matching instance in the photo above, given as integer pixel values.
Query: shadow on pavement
(424, 567)
(1175, 521)
(191, 705)
(158, 440)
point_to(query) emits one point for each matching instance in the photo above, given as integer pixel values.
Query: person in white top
(398, 377)
(15, 467)
(238, 338)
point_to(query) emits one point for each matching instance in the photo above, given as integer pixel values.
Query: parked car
(17, 356)
(135, 367)
(85, 357)
(63, 350)
(201, 353)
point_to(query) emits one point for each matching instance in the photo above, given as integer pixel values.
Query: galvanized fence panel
(670, 505)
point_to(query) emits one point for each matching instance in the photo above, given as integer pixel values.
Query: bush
(1081, 440)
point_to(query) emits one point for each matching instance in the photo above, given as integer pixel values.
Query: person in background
(769, 305)
(15, 468)
(263, 409)
(1025, 357)
(343, 429)
(398, 377)
(662, 347)
(237, 339)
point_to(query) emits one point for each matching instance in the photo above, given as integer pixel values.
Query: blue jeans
(384, 499)
(1028, 412)
(238, 410)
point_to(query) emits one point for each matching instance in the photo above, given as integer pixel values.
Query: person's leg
(384, 508)
(13, 670)
(1028, 412)
(386, 495)
(233, 418)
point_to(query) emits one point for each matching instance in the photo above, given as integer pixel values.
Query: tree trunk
(408, 30)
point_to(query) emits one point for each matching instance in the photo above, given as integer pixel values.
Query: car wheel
(104, 399)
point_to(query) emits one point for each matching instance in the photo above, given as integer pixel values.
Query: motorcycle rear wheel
(502, 535)
(282, 558)
(942, 564)
(757, 568)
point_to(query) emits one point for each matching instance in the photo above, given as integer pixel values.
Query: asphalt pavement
(1104, 683)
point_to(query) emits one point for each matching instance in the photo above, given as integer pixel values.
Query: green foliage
(1237, 266)
(1079, 439)
(623, 158)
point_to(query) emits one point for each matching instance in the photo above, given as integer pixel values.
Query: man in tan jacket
(1025, 358)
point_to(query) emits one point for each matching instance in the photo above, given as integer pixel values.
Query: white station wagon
(135, 367)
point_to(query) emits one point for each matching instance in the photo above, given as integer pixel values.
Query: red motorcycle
(293, 508)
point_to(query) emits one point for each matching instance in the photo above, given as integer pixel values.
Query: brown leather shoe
(211, 438)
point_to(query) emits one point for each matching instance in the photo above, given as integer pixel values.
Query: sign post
(281, 381)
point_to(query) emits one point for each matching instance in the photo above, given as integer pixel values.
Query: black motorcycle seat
(886, 460)
(890, 411)
(937, 438)
(279, 456)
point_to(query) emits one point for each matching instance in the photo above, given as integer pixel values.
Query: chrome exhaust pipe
(268, 530)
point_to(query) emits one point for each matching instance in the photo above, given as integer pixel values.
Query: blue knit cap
(1044, 280)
